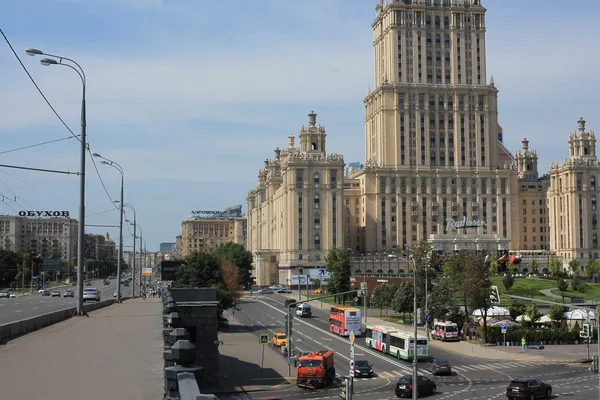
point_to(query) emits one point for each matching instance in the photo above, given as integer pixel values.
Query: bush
(531, 335)
(579, 286)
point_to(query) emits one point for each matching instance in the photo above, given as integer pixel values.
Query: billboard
(146, 271)
(168, 269)
(52, 265)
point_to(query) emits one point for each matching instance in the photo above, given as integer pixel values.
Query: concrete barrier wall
(14, 329)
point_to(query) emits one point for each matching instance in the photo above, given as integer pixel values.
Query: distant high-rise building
(166, 247)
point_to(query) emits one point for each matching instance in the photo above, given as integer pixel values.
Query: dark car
(363, 368)
(528, 388)
(223, 323)
(404, 386)
(46, 292)
(440, 366)
(290, 301)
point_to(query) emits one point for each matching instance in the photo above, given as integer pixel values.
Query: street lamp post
(60, 60)
(414, 361)
(134, 233)
(116, 166)
(141, 247)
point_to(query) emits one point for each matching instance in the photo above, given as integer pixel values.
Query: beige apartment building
(207, 230)
(295, 211)
(50, 237)
(435, 165)
(573, 199)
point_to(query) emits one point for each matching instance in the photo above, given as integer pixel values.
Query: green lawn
(530, 287)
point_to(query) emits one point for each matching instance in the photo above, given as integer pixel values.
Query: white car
(92, 294)
(12, 295)
(4, 294)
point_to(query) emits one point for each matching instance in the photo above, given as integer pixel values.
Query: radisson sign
(44, 214)
(453, 225)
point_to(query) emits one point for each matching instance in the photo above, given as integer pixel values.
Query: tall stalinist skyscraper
(433, 158)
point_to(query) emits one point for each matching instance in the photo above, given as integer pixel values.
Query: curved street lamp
(116, 166)
(60, 60)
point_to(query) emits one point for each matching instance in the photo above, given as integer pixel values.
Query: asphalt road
(472, 378)
(24, 307)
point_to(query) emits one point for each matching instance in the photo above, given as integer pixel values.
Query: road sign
(351, 367)
(428, 318)
(503, 326)
(472, 327)
(363, 285)
(355, 299)
(264, 338)
(352, 337)
(322, 272)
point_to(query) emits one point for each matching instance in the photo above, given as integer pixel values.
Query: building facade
(431, 126)
(573, 199)
(435, 166)
(295, 211)
(50, 237)
(207, 230)
(166, 247)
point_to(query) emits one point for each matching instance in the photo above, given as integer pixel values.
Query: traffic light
(345, 389)
(494, 295)
(585, 332)
(289, 318)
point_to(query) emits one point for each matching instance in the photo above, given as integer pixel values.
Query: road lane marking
(35, 308)
(18, 310)
(327, 338)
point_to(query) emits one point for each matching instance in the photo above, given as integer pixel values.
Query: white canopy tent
(493, 312)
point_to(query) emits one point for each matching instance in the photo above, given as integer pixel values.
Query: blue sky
(190, 96)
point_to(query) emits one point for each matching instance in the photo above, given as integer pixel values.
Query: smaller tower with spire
(582, 144)
(527, 162)
(312, 138)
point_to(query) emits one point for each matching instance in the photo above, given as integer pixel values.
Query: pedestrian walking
(158, 292)
(523, 344)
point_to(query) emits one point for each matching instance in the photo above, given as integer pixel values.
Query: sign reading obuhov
(453, 225)
(44, 214)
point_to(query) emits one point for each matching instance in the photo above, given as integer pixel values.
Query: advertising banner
(300, 279)
(168, 269)
(146, 271)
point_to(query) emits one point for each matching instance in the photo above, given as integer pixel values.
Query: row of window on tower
(443, 185)
(316, 179)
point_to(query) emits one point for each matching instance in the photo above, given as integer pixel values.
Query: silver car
(91, 294)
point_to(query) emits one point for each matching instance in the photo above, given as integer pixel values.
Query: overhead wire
(73, 135)
(36, 145)
(37, 87)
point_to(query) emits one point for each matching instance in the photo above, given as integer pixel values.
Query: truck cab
(279, 339)
(315, 369)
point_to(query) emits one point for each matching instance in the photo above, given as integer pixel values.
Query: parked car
(55, 293)
(439, 366)
(404, 386)
(68, 293)
(528, 388)
(91, 294)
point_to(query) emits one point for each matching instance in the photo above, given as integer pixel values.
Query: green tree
(403, 298)
(237, 255)
(442, 301)
(532, 312)
(533, 268)
(562, 285)
(9, 267)
(455, 270)
(494, 263)
(477, 282)
(337, 264)
(557, 314)
(591, 269)
(554, 266)
(508, 281)
(574, 267)
(379, 297)
(516, 308)
(422, 254)
(205, 270)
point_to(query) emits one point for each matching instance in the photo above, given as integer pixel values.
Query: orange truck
(315, 369)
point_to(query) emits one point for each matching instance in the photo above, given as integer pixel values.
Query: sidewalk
(240, 361)
(116, 353)
(550, 354)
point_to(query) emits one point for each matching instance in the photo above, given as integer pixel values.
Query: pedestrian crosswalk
(492, 365)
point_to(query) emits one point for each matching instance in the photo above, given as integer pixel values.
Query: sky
(190, 97)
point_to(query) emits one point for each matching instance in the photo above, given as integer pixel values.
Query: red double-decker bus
(343, 320)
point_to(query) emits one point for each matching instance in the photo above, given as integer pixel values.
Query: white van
(304, 310)
(445, 330)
